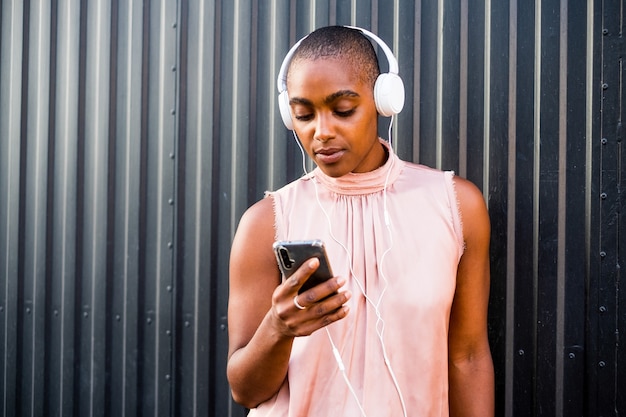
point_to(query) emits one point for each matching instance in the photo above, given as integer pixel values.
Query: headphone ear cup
(285, 112)
(389, 94)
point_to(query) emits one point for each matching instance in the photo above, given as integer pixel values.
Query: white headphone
(388, 89)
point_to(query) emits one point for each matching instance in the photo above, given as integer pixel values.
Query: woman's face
(335, 117)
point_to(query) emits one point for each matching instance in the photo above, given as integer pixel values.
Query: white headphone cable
(342, 369)
(380, 323)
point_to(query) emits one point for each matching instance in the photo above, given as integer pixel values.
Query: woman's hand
(322, 304)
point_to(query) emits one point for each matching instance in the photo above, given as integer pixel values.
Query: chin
(333, 171)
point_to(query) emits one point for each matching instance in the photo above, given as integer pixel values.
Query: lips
(329, 155)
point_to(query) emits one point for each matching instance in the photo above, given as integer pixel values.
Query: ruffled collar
(366, 182)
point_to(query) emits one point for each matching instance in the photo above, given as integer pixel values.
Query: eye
(345, 113)
(302, 112)
(303, 117)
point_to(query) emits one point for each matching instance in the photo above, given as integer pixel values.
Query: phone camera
(284, 256)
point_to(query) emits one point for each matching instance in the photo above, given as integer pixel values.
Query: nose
(324, 127)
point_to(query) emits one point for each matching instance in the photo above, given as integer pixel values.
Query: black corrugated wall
(133, 135)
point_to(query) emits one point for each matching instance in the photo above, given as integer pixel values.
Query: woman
(402, 328)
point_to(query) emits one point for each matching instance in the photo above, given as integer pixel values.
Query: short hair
(343, 43)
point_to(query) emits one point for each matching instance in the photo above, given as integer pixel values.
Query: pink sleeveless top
(407, 269)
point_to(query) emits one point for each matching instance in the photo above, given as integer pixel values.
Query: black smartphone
(292, 254)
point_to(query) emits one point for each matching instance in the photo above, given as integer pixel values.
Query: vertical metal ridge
(128, 167)
(417, 42)
(159, 235)
(65, 149)
(198, 206)
(536, 182)
(125, 164)
(111, 199)
(38, 96)
(511, 210)
(395, 39)
(11, 75)
(439, 95)
(142, 383)
(96, 180)
(589, 116)
(487, 102)
(236, 32)
(272, 101)
(463, 87)
(215, 214)
(97, 125)
(562, 208)
(80, 221)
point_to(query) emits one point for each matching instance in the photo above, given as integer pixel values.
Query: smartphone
(292, 254)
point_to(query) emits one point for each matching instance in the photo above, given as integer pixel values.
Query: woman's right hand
(323, 304)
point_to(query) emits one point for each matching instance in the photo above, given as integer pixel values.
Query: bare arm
(262, 318)
(470, 372)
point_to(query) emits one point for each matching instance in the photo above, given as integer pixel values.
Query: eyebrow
(329, 99)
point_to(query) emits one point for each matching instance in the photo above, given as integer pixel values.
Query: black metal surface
(114, 248)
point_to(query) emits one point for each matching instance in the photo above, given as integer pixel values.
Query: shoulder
(473, 209)
(470, 198)
(258, 218)
(251, 252)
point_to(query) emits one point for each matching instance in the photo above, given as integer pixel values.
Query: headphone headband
(281, 80)
(393, 63)
(388, 90)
